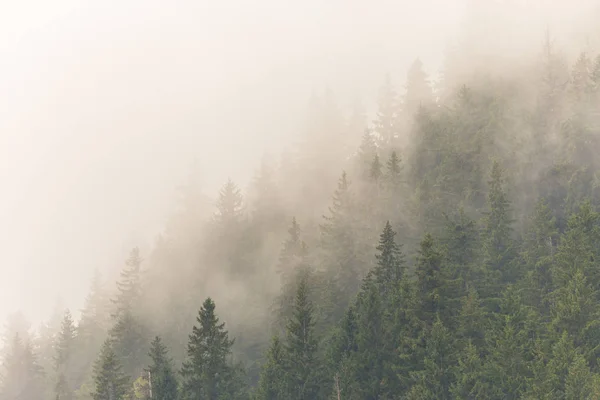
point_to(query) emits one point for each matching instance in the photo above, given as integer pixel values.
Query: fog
(106, 105)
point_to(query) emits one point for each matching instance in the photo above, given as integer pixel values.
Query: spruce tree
(375, 172)
(393, 174)
(293, 265)
(229, 206)
(110, 381)
(581, 84)
(418, 89)
(302, 376)
(129, 286)
(272, 376)
(128, 334)
(390, 264)
(537, 252)
(371, 360)
(386, 120)
(91, 331)
(162, 376)
(498, 246)
(435, 379)
(467, 383)
(22, 377)
(63, 360)
(342, 254)
(208, 373)
(430, 281)
(366, 154)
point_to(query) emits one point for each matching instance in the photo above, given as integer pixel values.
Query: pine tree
(394, 192)
(366, 154)
(293, 251)
(272, 377)
(231, 241)
(375, 172)
(468, 383)
(371, 360)
(91, 331)
(342, 256)
(393, 173)
(129, 285)
(580, 380)
(462, 244)
(293, 265)
(22, 377)
(497, 233)
(65, 346)
(581, 80)
(110, 381)
(44, 343)
(229, 206)
(418, 89)
(302, 364)
(538, 249)
(208, 373)
(128, 334)
(430, 281)
(389, 270)
(436, 378)
(386, 121)
(162, 376)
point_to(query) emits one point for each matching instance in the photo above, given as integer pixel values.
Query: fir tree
(22, 377)
(129, 285)
(302, 364)
(229, 205)
(497, 237)
(162, 376)
(110, 381)
(386, 121)
(393, 173)
(65, 346)
(436, 378)
(128, 334)
(91, 330)
(371, 360)
(537, 253)
(390, 264)
(342, 254)
(272, 377)
(208, 373)
(366, 154)
(430, 280)
(581, 80)
(418, 90)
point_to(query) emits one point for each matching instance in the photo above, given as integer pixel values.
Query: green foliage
(486, 287)
(162, 376)
(272, 379)
(110, 381)
(302, 365)
(208, 372)
(65, 349)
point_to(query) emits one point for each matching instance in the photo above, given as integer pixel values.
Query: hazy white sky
(104, 104)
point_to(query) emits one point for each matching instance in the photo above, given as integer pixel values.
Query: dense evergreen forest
(449, 248)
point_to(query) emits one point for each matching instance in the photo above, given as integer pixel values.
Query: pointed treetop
(229, 203)
(375, 172)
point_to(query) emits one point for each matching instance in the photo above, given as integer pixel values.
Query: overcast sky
(104, 105)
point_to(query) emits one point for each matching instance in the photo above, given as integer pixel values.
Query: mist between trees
(446, 248)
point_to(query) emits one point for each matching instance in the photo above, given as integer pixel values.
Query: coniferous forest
(447, 247)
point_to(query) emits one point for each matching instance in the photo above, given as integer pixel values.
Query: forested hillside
(448, 248)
